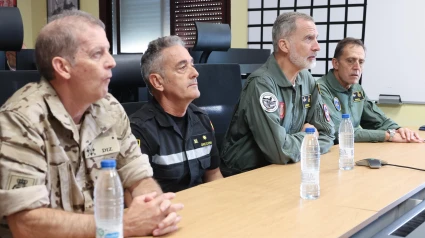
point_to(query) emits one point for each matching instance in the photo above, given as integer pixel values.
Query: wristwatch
(392, 133)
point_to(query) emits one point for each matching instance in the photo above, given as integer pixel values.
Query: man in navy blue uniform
(177, 136)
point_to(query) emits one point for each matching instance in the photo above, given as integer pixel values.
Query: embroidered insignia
(202, 140)
(318, 88)
(268, 102)
(358, 96)
(306, 100)
(19, 181)
(337, 104)
(326, 111)
(281, 110)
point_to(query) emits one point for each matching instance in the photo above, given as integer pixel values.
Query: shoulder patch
(337, 104)
(268, 102)
(16, 181)
(318, 88)
(326, 112)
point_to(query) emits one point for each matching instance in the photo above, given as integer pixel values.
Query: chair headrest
(11, 23)
(212, 37)
(127, 72)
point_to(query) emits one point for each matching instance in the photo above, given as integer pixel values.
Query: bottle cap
(108, 163)
(310, 130)
(345, 116)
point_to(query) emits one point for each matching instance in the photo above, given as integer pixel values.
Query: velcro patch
(202, 140)
(358, 96)
(337, 104)
(306, 101)
(268, 102)
(326, 112)
(16, 181)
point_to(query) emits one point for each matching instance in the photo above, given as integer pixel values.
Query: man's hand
(307, 125)
(151, 214)
(399, 139)
(409, 135)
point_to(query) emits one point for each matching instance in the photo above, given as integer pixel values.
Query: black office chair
(220, 88)
(25, 60)
(13, 29)
(132, 107)
(126, 78)
(2, 60)
(210, 37)
(11, 81)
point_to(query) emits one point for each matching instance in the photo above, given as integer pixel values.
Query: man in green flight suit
(279, 101)
(341, 91)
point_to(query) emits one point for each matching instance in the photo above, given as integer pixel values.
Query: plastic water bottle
(346, 143)
(108, 198)
(310, 166)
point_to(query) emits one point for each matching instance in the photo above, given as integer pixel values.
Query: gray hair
(285, 25)
(59, 38)
(152, 58)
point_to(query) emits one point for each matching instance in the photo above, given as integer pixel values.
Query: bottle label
(107, 233)
(310, 177)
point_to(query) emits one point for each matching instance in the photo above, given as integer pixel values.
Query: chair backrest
(12, 29)
(11, 81)
(127, 72)
(132, 107)
(220, 87)
(211, 37)
(2, 60)
(25, 59)
(126, 78)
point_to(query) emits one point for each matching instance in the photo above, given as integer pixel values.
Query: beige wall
(405, 115)
(34, 16)
(239, 23)
(26, 13)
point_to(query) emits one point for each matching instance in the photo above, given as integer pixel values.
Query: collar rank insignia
(358, 96)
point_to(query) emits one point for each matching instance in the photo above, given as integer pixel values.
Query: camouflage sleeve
(23, 166)
(133, 166)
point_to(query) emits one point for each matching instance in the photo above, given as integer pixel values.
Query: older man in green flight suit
(341, 91)
(279, 101)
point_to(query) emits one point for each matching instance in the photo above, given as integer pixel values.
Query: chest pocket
(103, 147)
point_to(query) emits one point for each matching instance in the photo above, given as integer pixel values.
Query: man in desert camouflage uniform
(53, 135)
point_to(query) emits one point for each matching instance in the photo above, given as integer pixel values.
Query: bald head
(61, 38)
